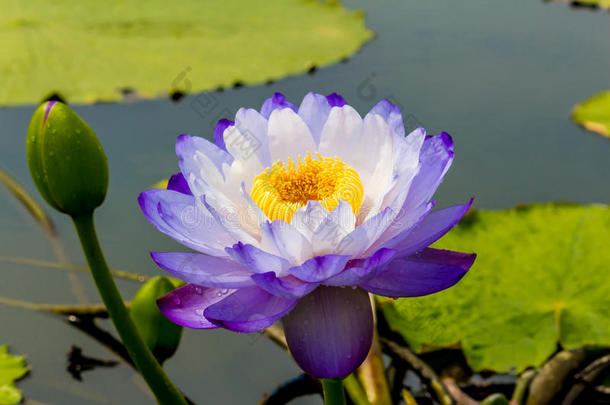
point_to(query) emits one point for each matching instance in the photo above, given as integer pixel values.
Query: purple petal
(288, 287)
(178, 183)
(178, 216)
(191, 150)
(47, 111)
(424, 273)
(249, 309)
(185, 305)
(335, 100)
(257, 260)
(219, 131)
(277, 101)
(204, 270)
(358, 271)
(329, 333)
(314, 110)
(392, 115)
(436, 157)
(429, 230)
(320, 268)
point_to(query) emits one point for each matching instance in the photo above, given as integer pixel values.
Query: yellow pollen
(283, 188)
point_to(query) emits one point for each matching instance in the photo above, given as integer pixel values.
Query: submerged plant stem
(157, 380)
(333, 391)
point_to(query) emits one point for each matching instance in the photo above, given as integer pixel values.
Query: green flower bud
(66, 160)
(161, 335)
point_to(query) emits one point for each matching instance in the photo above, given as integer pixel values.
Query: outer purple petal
(329, 333)
(288, 287)
(249, 310)
(185, 305)
(178, 183)
(335, 100)
(320, 268)
(424, 273)
(257, 260)
(358, 271)
(429, 230)
(204, 270)
(277, 101)
(178, 216)
(219, 131)
(392, 115)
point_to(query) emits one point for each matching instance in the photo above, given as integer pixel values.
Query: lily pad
(541, 279)
(603, 4)
(12, 368)
(594, 113)
(100, 51)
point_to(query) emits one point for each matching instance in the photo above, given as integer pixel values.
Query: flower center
(283, 188)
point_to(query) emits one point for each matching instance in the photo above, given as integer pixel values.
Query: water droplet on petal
(349, 356)
(177, 301)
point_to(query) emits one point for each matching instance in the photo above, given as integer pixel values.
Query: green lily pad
(12, 368)
(594, 113)
(541, 278)
(94, 51)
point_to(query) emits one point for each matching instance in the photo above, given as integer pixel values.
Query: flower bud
(66, 160)
(161, 335)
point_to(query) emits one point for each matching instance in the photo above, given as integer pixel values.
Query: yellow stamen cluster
(285, 187)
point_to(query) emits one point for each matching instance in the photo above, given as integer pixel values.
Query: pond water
(500, 76)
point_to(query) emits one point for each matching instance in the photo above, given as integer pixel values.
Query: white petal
(289, 136)
(333, 229)
(283, 239)
(341, 134)
(307, 219)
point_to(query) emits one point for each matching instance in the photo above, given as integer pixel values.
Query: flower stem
(157, 380)
(333, 391)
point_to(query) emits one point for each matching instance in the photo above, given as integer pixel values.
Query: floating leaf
(12, 368)
(90, 51)
(594, 113)
(541, 278)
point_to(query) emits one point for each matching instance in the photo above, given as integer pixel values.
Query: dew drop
(349, 356)
(177, 301)
(198, 290)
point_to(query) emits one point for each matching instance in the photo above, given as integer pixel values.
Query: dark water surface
(500, 76)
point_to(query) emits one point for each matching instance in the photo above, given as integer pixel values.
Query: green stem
(333, 391)
(355, 391)
(157, 380)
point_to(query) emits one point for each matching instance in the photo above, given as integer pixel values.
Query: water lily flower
(298, 214)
